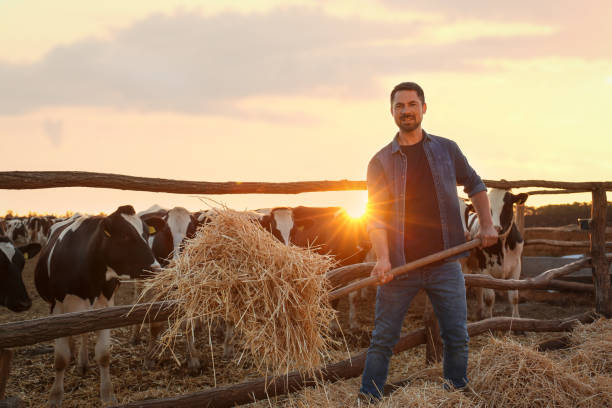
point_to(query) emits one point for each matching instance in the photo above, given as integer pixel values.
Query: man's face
(407, 110)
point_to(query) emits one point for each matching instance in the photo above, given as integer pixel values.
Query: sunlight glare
(357, 209)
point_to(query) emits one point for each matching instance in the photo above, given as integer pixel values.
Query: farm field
(32, 367)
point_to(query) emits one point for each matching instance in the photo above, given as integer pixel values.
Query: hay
(508, 374)
(428, 394)
(275, 295)
(591, 349)
(420, 394)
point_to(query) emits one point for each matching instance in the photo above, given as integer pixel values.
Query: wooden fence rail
(566, 244)
(21, 180)
(28, 332)
(339, 277)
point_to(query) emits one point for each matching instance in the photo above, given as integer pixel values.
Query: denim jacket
(387, 189)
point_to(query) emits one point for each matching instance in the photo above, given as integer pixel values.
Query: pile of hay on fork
(275, 295)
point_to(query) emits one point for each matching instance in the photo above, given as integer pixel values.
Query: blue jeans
(445, 286)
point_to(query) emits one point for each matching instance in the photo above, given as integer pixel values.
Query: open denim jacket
(387, 189)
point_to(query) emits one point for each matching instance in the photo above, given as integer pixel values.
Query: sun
(357, 209)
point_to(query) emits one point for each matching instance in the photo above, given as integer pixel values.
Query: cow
(278, 221)
(180, 225)
(501, 260)
(175, 226)
(39, 229)
(326, 230)
(79, 270)
(17, 231)
(13, 294)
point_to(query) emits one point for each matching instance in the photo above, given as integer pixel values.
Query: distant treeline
(557, 215)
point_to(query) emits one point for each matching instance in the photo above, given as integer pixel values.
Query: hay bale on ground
(591, 349)
(275, 295)
(420, 394)
(508, 374)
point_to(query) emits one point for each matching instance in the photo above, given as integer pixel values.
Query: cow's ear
(106, 224)
(265, 222)
(155, 224)
(30, 250)
(520, 198)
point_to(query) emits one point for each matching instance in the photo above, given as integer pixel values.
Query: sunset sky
(296, 90)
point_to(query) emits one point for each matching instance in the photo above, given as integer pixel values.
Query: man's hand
(488, 236)
(381, 270)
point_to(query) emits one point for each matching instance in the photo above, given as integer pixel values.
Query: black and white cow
(79, 270)
(278, 221)
(39, 229)
(17, 231)
(177, 225)
(501, 260)
(13, 294)
(180, 225)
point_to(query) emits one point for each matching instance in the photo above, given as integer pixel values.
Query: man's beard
(409, 127)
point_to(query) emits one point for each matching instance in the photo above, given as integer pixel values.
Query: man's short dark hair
(408, 86)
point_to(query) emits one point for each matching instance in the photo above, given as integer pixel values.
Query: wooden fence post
(520, 218)
(597, 234)
(5, 368)
(433, 345)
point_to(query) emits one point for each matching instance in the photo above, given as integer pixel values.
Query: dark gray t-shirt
(423, 230)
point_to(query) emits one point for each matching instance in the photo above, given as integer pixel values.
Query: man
(414, 212)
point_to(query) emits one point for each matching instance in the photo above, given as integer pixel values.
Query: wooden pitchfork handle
(400, 270)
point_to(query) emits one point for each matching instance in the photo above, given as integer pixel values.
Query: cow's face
(160, 237)
(17, 230)
(13, 293)
(183, 226)
(280, 223)
(502, 207)
(126, 243)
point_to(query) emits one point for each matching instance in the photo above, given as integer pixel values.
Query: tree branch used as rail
(541, 281)
(238, 394)
(28, 332)
(557, 284)
(340, 276)
(582, 186)
(568, 244)
(560, 191)
(22, 180)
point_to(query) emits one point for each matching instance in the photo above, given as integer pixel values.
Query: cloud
(54, 129)
(582, 27)
(191, 63)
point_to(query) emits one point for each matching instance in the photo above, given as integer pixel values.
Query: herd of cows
(82, 258)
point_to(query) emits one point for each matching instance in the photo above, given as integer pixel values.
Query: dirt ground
(32, 366)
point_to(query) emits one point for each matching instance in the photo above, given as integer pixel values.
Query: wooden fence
(37, 330)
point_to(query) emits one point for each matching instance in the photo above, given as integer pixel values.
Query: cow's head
(160, 237)
(183, 225)
(125, 243)
(13, 293)
(38, 229)
(280, 221)
(17, 231)
(502, 207)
